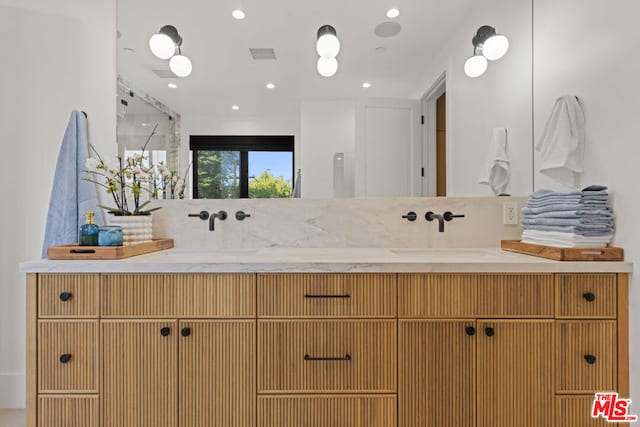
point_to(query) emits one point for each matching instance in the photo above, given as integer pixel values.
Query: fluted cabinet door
(515, 373)
(140, 372)
(217, 377)
(436, 373)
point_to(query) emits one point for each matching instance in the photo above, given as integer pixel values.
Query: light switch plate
(510, 213)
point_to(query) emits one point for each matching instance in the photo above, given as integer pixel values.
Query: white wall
(590, 48)
(499, 98)
(62, 57)
(327, 127)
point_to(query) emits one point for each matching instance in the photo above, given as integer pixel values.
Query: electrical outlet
(510, 213)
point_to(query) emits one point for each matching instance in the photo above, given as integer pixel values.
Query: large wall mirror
(242, 108)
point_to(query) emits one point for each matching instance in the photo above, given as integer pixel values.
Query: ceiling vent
(164, 74)
(263, 53)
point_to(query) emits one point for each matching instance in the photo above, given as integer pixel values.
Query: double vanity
(324, 337)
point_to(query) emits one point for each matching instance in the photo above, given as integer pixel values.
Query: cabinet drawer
(575, 411)
(68, 295)
(475, 295)
(68, 356)
(179, 295)
(68, 411)
(586, 296)
(327, 356)
(323, 411)
(327, 295)
(578, 340)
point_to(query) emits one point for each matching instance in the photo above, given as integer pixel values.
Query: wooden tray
(564, 254)
(108, 252)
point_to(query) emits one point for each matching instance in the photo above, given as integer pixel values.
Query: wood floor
(12, 417)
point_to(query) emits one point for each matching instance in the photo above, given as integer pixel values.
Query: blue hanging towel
(70, 195)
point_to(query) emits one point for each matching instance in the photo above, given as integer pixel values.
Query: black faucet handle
(411, 216)
(448, 216)
(203, 215)
(241, 215)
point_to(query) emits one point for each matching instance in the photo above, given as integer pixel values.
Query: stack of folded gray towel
(576, 219)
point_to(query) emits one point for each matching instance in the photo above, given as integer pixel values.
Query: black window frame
(243, 144)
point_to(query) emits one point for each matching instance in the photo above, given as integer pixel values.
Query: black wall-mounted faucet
(430, 216)
(447, 216)
(221, 215)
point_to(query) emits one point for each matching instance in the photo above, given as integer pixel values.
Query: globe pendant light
(163, 44)
(475, 66)
(180, 65)
(327, 67)
(495, 47)
(327, 45)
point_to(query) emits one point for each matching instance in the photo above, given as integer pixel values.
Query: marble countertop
(323, 260)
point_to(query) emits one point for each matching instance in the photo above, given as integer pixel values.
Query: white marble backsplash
(336, 223)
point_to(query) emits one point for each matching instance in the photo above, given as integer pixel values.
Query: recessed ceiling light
(271, 86)
(235, 107)
(393, 13)
(172, 85)
(366, 85)
(238, 14)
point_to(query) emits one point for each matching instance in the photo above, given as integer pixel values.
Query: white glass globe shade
(327, 67)
(180, 65)
(328, 46)
(495, 47)
(162, 46)
(475, 66)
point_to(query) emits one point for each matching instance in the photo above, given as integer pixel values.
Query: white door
(388, 149)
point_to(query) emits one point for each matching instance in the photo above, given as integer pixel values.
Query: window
(231, 167)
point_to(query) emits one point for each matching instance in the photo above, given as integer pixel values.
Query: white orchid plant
(129, 180)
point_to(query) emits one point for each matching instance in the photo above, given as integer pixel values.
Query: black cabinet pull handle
(470, 330)
(589, 296)
(590, 359)
(327, 296)
(65, 358)
(65, 296)
(165, 331)
(346, 358)
(489, 331)
(185, 332)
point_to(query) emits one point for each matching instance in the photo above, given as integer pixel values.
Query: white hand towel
(497, 169)
(561, 144)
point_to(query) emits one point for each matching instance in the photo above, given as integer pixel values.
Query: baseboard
(12, 391)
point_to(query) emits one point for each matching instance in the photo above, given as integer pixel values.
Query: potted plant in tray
(130, 182)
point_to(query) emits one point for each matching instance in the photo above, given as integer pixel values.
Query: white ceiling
(225, 74)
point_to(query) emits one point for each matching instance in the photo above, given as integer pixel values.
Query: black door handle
(165, 331)
(65, 296)
(185, 332)
(489, 331)
(346, 358)
(65, 358)
(470, 330)
(590, 359)
(589, 296)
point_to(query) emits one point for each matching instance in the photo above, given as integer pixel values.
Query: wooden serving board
(107, 252)
(564, 254)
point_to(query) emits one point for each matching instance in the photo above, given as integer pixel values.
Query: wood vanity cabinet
(320, 350)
